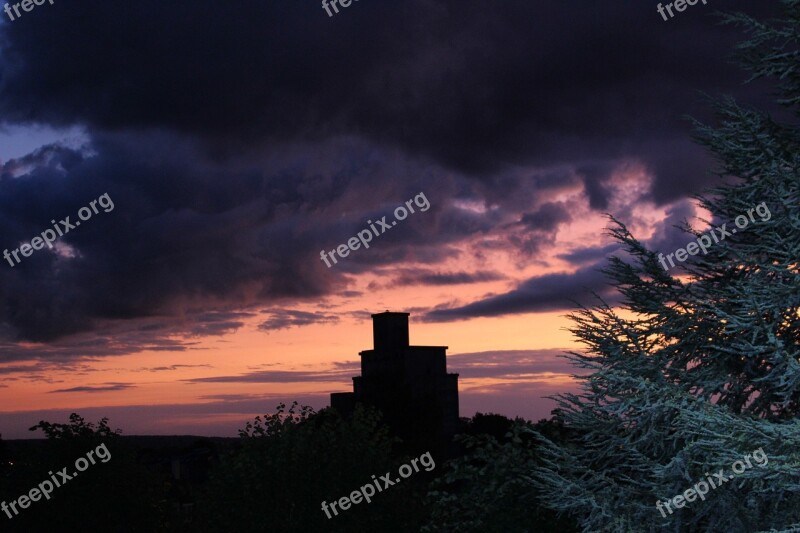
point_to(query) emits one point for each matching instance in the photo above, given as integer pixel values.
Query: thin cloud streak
(108, 387)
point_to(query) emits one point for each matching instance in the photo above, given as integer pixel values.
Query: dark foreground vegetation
(274, 477)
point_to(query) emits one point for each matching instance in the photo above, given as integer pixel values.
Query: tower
(409, 384)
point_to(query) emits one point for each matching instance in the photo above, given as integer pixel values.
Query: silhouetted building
(409, 384)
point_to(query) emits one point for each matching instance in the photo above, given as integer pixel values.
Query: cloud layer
(238, 142)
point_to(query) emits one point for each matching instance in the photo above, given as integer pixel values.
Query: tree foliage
(77, 428)
(292, 460)
(694, 373)
(116, 496)
(488, 489)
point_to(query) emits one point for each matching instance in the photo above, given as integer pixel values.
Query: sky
(225, 147)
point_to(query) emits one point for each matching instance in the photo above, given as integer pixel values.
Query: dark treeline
(275, 476)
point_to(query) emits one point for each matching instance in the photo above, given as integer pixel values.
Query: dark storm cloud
(539, 227)
(90, 346)
(592, 254)
(559, 292)
(288, 318)
(595, 176)
(189, 232)
(474, 86)
(179, 228)
(219, 323)
(547, 218)
(431, 277)
(110, 338)
(551, 292)
(238, 142)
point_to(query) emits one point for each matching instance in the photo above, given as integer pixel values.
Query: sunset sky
(239, 140)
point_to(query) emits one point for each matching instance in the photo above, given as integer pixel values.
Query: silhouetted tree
(117, 496)
(488, 424)
(488, 489)
(293, 460)
(77, 429)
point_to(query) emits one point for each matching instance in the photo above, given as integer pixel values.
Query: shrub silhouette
(291, 461)
(117, 496)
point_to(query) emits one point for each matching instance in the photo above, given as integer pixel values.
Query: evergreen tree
(691, 375)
